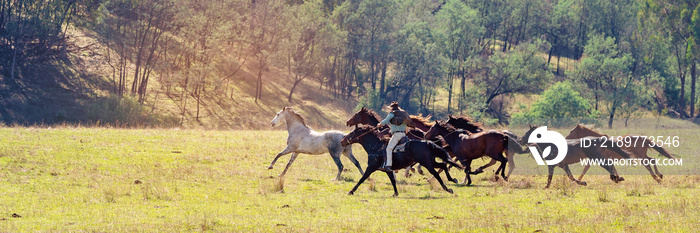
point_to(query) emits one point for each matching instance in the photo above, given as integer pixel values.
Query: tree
(303, 57)
(607, 73)
(560, 105)
(675, 19)
(138, 30)
(458, 30)
(520, 70)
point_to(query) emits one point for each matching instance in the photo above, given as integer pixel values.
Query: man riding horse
(398, 119)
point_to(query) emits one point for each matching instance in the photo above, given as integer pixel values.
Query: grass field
(107, 180)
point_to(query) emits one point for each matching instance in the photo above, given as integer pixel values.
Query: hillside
(72, 88)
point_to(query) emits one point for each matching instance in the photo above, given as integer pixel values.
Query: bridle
(355, 139)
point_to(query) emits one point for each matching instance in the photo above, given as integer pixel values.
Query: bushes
(125, 112)
(560, 105)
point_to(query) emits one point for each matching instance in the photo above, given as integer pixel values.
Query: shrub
(560, 105)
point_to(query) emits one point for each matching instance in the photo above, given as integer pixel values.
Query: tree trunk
(612, 116)
(693, 79)
(449, 94)
(297, 80)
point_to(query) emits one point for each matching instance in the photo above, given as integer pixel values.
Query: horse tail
(442, 154)
(609, 144)
(511, 144)
(662, 151)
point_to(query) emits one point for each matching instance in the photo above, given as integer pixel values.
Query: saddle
(401, 146)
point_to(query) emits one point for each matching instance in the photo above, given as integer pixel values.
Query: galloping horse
(422, 152)
(303, 139)
(469, 147)
(466, 124)
(369, 117)
(636, 150)
(576, 152)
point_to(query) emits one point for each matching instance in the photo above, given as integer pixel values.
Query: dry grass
(85, 179)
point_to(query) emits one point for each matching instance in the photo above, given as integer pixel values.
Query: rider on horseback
(397, 121)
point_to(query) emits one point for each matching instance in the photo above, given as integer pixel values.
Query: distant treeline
(613, 58)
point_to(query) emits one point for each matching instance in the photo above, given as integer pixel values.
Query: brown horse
(576, 152)
(469, 147)
(637, 150)
(465, 123)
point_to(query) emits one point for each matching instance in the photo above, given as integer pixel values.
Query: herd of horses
(458, 137)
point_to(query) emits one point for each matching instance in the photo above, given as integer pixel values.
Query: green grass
(106, 180)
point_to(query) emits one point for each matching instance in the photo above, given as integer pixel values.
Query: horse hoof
(450, 191)
(270, 167)
(455, 180)
(661, 176)
(351, 193)
(583, 183)
(505, 178)
(620, 178)
(395, 195)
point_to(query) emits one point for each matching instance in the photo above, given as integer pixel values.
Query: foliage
(558, 106)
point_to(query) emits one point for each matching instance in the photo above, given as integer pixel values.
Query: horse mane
(294, 113)
(464, 118)
(425, 120)
(371, 113)
(589, 127)
(467, 120)
(448, 127)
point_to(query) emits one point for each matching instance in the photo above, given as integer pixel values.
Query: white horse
(303, 139)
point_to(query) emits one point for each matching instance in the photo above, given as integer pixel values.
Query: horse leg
(336, 159)
(585, 169)
(437, 176)
(442, 167)
(348, 153)
(613, 173)
(571, 176)
(393, 182)
(289, 164)
(481, 169)
(502, 168)
(511, 162)
(286, 150)
(661, 176)
(467, 171)
(653, 175)
(371, 168)
(551, 173)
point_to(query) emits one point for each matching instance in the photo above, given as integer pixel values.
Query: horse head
(355, 135)
(357, 118)
(280, 115)
(527, 134)
(439, 128)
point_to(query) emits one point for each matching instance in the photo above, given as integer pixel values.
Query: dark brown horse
(369, 117)
(469, 147)
(636, 149)
(422, 152)
(465, 123)
(576, 152)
